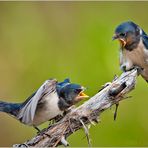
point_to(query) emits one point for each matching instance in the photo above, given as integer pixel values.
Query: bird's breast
(47, 109)
(136, 57)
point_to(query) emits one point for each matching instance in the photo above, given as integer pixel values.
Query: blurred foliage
(41, 40)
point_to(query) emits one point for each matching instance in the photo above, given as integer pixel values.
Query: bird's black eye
(122, 34)
(78, 90)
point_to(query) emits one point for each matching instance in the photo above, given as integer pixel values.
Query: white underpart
(42, 106)
(49, 110)
(136, 57)
(129, 59)
(125, 61)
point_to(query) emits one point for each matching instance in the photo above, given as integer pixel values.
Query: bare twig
(88, 112)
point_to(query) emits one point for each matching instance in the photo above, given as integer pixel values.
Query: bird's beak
(115, 37)
(122, 41)
(81, 96)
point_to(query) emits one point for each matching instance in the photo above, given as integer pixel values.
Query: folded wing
(145, 39)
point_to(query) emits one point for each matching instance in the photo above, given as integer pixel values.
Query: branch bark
(87, 113)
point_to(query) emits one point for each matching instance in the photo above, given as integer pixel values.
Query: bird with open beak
(50, 100)
(133, 47)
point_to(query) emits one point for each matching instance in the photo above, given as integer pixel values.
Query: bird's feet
(69, 109)
(38, 130)
(139, 69)
(41, 132)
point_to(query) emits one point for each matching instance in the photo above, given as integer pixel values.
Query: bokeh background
(41, 40)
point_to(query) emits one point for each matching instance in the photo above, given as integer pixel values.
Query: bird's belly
(141, 61)
(137, 57)
(48, 110)
(44, 116)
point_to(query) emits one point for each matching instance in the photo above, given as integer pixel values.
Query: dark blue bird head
(128, 33)
(65, 82)
(69, 94)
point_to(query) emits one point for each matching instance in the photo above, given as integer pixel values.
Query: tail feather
(11, 108)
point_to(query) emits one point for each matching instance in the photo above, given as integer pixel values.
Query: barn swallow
(50, 100)
(133, 47)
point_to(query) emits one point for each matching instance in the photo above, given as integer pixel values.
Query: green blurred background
(41, 40)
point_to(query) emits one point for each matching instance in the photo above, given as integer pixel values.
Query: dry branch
(87, 113)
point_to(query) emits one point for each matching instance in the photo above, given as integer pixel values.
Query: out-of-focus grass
(41, 40)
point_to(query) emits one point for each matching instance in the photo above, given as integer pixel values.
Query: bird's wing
(27, 113)
(145, 39)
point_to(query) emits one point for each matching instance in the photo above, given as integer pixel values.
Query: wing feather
(27, 113)
(145, 39)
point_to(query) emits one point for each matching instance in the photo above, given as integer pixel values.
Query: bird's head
(70, 94)
(127, 33)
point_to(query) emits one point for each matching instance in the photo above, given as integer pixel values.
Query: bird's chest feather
(47, 109)
(136, 57)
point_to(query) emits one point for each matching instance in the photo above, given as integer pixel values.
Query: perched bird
(50, 100)
(133, 47)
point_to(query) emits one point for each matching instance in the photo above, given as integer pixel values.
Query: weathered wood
(88, 112)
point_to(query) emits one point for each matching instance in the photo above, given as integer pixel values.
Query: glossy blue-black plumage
(13, 108)
(126, 27)
(145, 39)
(133, 47)
(66, 91)
(65, 82)
(130, 30)
(10, 108)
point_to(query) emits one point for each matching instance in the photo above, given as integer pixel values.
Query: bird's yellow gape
(81, 96)
(133, 47)
(122, 42)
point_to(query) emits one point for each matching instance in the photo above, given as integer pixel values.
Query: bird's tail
(10, 108)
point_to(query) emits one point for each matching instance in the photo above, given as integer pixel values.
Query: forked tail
(11, 108)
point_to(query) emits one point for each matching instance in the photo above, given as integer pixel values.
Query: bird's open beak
(122, 41)
(81, 96)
